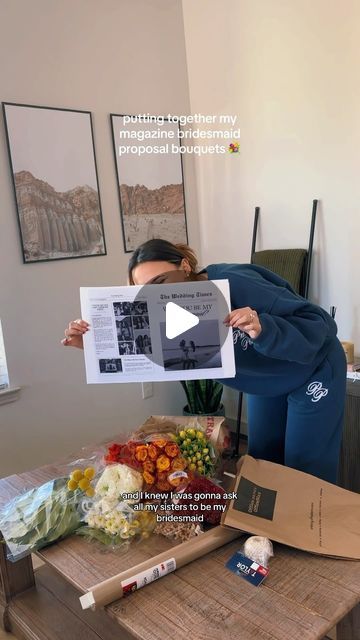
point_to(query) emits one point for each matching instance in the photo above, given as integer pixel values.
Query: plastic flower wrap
(111, 517)
(42, 515)
(38, 517)
(114, 523)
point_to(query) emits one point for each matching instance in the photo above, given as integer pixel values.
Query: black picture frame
(178, 231)
(54, 224)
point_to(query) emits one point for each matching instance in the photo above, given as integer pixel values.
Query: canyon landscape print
(153, 213)
(151, 185)
(54, 175)
(57, 225)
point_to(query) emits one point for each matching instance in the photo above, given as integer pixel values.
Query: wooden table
(303, 597)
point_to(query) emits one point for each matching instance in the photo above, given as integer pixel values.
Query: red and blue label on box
(252, 571)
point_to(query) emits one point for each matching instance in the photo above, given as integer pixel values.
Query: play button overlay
(178, 320)
(177, 325)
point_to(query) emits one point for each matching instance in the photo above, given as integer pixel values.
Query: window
(4, 376)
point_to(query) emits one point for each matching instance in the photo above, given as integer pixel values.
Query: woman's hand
(245, 319)
(74, 334)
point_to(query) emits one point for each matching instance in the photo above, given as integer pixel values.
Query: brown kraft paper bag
(294, 508)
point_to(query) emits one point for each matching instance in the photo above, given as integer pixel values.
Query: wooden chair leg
(349, 627)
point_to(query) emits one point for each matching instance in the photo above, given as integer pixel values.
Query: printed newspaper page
(127, 340)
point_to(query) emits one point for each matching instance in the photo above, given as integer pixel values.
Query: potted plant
(203, 397)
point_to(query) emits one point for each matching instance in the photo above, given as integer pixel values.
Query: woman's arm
(293, 330)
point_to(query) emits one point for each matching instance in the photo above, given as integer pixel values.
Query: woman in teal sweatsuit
(288, 358)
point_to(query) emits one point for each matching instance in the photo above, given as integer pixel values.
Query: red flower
(122, 453)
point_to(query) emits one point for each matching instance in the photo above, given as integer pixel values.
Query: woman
(288, 358)
(188, 363)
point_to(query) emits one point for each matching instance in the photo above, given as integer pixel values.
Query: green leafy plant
(38, 517)
(203, 396)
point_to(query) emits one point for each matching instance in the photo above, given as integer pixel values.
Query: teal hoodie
(296, 335)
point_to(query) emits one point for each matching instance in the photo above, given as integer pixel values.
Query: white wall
(289, 70)
(124, 56)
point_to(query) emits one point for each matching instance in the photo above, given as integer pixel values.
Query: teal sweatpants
(303, 429)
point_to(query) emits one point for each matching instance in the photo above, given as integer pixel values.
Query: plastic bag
(38, 517)
(116, 523)
(114, 516)
(41, 515)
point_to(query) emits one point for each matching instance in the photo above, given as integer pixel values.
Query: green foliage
(203, 396)
(38, 517)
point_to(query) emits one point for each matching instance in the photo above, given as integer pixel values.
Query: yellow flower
(84, 484)
(76, 475)
(90, 492)
(72, 485)
(89, 472)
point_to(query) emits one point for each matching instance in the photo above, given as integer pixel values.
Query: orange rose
(141, 453)
(153, 451)
(148, 466)
(160, 443)
(163, 463)
(178, 464)
(172, 450)
(148, 477)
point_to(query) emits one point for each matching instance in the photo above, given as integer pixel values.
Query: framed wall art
(52, 159)
(150, 184)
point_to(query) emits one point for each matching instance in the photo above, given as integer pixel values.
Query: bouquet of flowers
(160, 462)
(110, 517)
(197, 450)
(99, 495)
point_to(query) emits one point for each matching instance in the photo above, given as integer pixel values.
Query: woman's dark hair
(158, 250)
